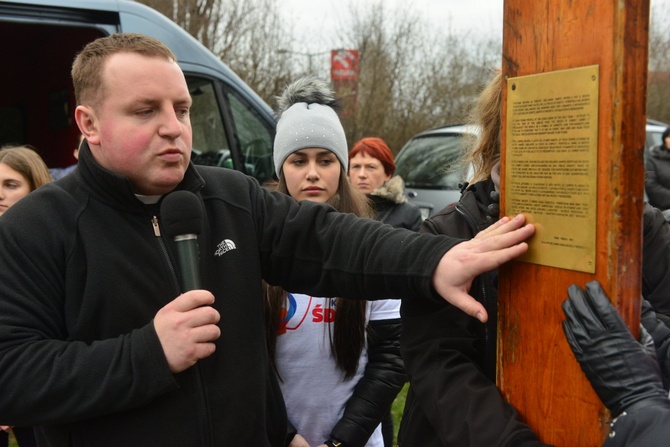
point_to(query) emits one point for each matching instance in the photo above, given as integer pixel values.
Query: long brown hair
(347, 338)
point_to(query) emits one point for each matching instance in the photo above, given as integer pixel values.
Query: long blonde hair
(483, 151)
(348, 337)
(28, 163)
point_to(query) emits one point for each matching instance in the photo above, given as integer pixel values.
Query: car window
(210, 143)
(431, 162)
(255, 139)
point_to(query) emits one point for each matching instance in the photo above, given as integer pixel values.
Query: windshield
(431, 162)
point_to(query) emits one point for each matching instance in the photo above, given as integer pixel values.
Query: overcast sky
(317, 20)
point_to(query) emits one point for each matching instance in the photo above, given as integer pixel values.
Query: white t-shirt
(314, 388)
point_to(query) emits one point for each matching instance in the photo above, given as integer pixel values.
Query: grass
(397, 408)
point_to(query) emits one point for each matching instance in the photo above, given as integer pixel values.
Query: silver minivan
(232, 126)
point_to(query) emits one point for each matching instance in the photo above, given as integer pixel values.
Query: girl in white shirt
(337, 360)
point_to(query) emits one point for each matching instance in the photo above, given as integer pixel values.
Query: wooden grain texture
(537, 371)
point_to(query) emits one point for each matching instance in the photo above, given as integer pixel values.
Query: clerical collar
(148, 200)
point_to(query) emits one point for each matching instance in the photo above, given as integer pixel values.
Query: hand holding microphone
(187, 326)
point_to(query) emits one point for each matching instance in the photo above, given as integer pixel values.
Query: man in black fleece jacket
(98, 346)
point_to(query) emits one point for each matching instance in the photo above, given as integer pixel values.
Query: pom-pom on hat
(308, 119)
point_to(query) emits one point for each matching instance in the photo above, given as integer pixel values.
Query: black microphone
(181, 216)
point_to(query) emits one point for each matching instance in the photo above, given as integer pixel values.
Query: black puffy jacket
(391, 205)
(383, 378)
(656, 260)
(657, 177)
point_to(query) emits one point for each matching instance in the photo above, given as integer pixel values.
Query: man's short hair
(89, 63)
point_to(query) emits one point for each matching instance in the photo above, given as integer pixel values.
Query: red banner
(343, 65)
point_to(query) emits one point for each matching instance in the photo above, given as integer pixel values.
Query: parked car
(232, 126)
(430, 164)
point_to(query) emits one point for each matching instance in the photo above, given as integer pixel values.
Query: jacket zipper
(166, 256)
(473, 227)
(468, 218)
(206, 438)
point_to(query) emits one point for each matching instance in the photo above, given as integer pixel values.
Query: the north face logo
(224, 246)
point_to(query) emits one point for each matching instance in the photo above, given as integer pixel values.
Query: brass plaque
(551, 164)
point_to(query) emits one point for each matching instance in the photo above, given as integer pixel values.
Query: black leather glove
(622, 373)
(656, 328)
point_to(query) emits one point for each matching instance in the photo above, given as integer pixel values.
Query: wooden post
(537, 372)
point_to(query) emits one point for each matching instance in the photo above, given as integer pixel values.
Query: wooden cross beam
(576, 94)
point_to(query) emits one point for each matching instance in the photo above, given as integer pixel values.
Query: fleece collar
(115, 189)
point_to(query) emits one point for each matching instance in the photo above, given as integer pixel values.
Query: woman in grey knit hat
(338, 380)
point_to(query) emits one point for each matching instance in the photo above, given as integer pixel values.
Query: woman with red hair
(371, 169)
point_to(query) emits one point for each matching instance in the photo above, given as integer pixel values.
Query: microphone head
(181, 213)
